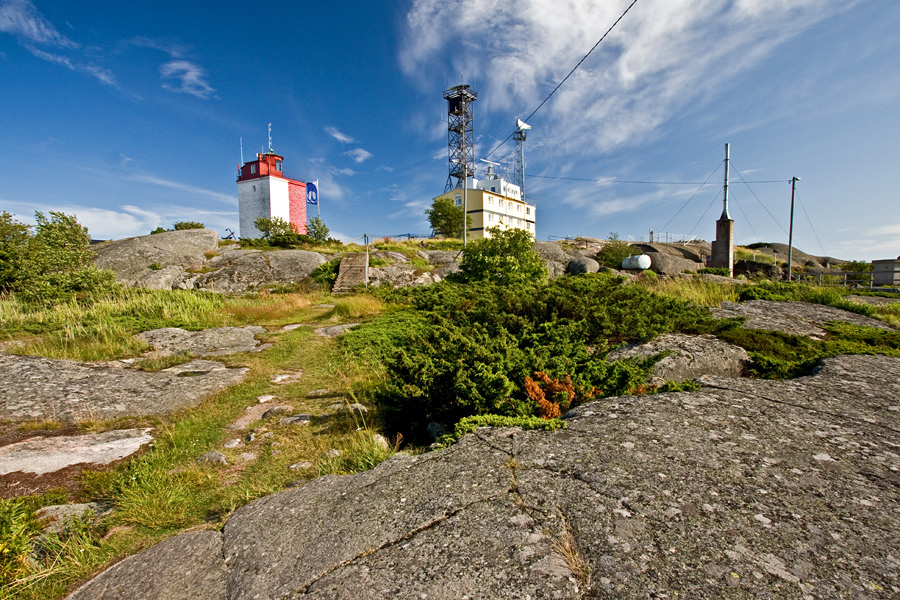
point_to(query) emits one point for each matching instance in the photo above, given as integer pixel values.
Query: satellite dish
(522, 125)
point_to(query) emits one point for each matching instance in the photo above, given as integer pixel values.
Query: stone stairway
(351, 273)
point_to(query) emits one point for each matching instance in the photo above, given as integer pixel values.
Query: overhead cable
(559, 85)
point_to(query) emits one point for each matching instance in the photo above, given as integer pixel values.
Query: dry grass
(696, 290)
(567, 547)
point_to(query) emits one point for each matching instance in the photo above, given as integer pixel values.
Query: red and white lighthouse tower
(264, 191)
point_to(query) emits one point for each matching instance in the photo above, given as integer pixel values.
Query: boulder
(154, 260)
(240, 270)
(690, 356)
(745, 488)
(401, 275)
(551, 251)
(581, 265)
(664, 264)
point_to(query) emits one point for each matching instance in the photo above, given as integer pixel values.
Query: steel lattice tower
(460, 138)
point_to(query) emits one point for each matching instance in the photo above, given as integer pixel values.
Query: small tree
(506, 257)
(14, 250)
(446, 218)
(317, 230)
(614, 252)
(274, 227)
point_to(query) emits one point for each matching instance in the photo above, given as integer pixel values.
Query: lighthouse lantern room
(264, 191)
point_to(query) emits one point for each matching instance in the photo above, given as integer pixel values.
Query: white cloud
(664, 57)
(358, 155)
(173, 49)
(339, 136)
(887, 230)
(103, 75)
(192, 78)
(21, 19)
(184, 187)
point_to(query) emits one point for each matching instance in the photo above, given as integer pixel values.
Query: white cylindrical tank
(638, 262)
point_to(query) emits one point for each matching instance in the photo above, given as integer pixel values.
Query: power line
(757, 198)
(607, 180)
(810, 224)
(746, 218)
(691, 198)
(703, 216)
(544, 101)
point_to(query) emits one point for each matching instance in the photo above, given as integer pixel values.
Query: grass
(164, 490)
(696, 290)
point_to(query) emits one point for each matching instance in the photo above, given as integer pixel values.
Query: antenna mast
(519, 169)
(725, 214)
(270, 138)
(460, 135)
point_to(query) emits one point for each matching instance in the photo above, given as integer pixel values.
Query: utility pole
(794, 181)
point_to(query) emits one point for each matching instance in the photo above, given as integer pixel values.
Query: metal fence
(837, 279)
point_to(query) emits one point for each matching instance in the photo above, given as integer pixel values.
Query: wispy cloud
(173, 49)
(341, 137)
(358, 155)
(183, 187)
(190, 76)
(21, 19)
(663, 58)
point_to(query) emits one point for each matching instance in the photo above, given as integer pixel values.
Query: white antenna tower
(270, 138)
(519, 170)
(242, 150)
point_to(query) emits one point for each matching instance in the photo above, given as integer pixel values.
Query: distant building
(264, 191)
(494, 202)
(886, 272)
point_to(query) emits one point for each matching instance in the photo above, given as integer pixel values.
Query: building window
(490, 218)
(527, 210)
(253, 168)
(493, 189)
(458, 200)
(277, 165)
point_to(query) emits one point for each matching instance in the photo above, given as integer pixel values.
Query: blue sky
(129, 114)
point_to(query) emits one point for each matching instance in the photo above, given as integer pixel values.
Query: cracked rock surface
(743, 489)
(796, 318)
(217, 341)
(66, 390)
(690, 356)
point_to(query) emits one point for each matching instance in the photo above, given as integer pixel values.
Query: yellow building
(493, 202)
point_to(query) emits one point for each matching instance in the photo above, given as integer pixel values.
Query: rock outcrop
(689, 357)
(796, 318)
(66, 390)
(237, 270)
(217, 341)
(741, 489)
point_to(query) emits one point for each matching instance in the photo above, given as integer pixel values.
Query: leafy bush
(446, 218)
(463, 350)
(53, 263)
(17, 527)
(614, 252)
(183, 225)
(856, 266)
(316, 230)
(276, 226)
(470, 424)
(506, 257)
(723, 271)
(327, 272)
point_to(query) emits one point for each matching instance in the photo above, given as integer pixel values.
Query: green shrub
(615, 251)
(53, 263)
(504, 258)
(327, 272)
(183, 225)
(464, 350)
(17, 526)
(446, 218)
(470, 424)
(723, 271)
(316, 230)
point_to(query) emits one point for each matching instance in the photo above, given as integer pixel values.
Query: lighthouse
(264, 191)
